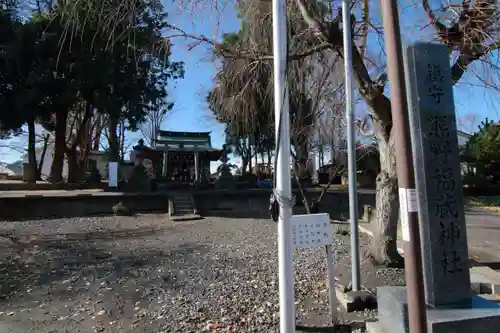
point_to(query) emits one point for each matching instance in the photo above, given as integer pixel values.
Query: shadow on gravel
(479, 211)
(327, 329)
(495, 265)
(84, 256)
(107, 234)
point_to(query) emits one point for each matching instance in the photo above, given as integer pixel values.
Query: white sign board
(311, 230)
(113, 174)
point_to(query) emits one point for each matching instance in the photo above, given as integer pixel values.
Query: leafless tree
(124, 146)
(155, 118)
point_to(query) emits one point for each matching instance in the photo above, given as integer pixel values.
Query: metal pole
(417, 316)
(351, 146)
(283, 176)
(332, 297)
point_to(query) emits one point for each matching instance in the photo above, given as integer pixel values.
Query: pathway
(483, 235)
(145, 274)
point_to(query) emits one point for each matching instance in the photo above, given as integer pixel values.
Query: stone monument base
(482, 316)
(225, 182)
(139, 181)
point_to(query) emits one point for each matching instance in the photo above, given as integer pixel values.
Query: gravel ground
(145, 274)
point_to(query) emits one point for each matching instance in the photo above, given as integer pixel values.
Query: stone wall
(38, 207)
(255, 203)
(10, 185)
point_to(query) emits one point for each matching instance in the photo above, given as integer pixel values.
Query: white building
(463, 138)
(12, 169)
(47, 161)
(98, 156)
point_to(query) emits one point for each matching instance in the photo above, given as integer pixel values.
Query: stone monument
(94, 177)
(225, 179)
(140, 181)
(451, 307)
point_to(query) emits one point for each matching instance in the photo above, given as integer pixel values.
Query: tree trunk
(256, 161)
(244, 164)
(72, 165)
(263, 158)
(114, 147)
(97, 131)
(31, 150)
(56, 168)
(80, 140)
(269, 164)
(301, 161)
(384, 240)
(250, 166)
(122, 140)
(42, 157)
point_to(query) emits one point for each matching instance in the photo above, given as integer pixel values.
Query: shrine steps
(182, 208)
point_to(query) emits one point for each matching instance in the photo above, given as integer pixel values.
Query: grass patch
(489, 202)
(120, 209)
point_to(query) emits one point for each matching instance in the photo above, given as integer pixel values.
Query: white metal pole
(283, 176)
(351, 145)
(332, 297)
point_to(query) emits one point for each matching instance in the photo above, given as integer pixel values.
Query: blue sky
(190, 112)
(472, 102)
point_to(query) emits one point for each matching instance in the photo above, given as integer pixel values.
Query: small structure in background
(11, 170)
(97, 161)
(463, 138)
(185, 156)
(177, 157)
(263, 171)
(93, 159)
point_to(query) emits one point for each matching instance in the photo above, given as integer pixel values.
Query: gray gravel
(145, 274)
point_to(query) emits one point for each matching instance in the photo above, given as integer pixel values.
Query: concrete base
(374, 327)
(190, 217)
(491, 298)
(355, 300)
(482, 316)
(485, 280)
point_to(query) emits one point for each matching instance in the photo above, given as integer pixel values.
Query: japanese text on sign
(440, 150)
(451, 262)
(446, 202)
(450, 233)
(439, 126)
(435, 82)
(445, 180)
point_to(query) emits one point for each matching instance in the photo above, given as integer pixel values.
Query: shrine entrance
(180, 166)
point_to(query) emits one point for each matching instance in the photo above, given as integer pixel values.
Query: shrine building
(185, 156)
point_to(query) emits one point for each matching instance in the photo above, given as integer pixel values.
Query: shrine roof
(170, 137)
(186, 149)
(175, 134)
(464, 134)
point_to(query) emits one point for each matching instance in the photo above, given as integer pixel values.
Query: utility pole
(417, 316)
(351, 146)
(283, 192)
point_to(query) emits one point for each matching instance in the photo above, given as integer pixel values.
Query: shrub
(483, 153)
(121, 210)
